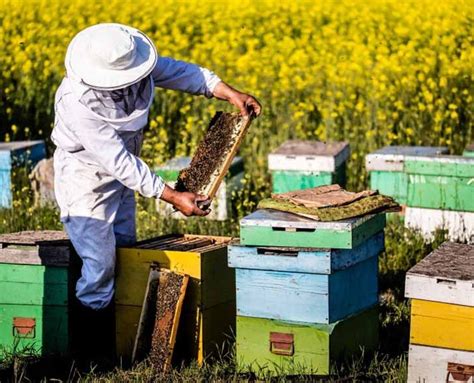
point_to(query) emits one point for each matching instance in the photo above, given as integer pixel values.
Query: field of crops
(373, 72)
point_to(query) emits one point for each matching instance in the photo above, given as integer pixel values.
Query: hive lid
(16, 145)
(47, 247)
(298, 155)
(392, 158)
(445, 275)
(170, 170)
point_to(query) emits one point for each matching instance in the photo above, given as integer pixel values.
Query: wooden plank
(441, 192)
(429, 364)
(297, 155)
(392, 158)
(459, 225)
(442, 325)
(44, 255)
(274, 228)
(312, 298)
(43, 237)
(306, 260)
(315, 345)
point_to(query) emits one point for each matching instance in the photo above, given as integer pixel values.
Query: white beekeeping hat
(110, 56)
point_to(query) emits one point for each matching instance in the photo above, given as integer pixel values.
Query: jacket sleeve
(104, 144)
(179, 75)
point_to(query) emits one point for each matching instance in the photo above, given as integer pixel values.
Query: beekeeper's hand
(185, 202)
(245, 102)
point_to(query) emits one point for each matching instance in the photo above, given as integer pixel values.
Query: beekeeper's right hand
(185, 202)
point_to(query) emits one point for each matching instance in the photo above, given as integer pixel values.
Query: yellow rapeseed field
(369, 72)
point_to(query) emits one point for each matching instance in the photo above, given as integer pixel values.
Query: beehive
(387, 172)
(441, 288)
(36, 286)
(441, 182)
(274, 228)
(221, 207)
(305, 164)
(208, 311)
(17, 155)
(306, 285)
(285, 348)
(469, 151)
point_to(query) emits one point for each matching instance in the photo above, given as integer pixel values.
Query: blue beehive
(306, 285)
(15, 155)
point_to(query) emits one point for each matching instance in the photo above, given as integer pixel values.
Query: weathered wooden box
(299, 165)
(208, 314)
(459, 225)
(441, 182)
(274, 228)
(386, 168)
(35, 291)
(266, 346)
(16, 155)
(430, 364)
(221, 207)
(306, 285)
(441, 288)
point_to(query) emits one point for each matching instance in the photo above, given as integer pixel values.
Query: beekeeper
(101, 109)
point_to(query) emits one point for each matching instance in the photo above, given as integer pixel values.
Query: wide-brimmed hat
(110, 56)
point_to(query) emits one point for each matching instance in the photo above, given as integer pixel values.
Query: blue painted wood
(321, 261)
(14, 155)
(310, 298)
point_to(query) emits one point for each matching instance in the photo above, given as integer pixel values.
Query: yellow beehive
(208, 315)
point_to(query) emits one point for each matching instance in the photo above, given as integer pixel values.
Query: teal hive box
(297, 165)
(306, 285)
(442, 182)
(221, 205)
(387, 172)
(14, 155)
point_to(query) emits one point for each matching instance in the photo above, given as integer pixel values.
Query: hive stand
(300, 164)
(15, 155)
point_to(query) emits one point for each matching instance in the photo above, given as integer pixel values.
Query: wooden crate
(299, 165)
(274, 228)
(209, 306)
(266, 346)
(441, 287)
(13, 155)
(459, 225)
(309, 285)
(36, 286)
(430, 364)
(386, 168)
(442, 182)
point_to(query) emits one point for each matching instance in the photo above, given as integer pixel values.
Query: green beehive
(35, 287)
(441, 182)
(298, 165)
(386, 167)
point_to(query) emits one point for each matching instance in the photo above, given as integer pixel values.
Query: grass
(403, 249)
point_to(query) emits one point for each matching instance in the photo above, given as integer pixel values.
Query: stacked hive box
(441, 288)
(221, 205)
(306, 290)
(36, 285)
(208, 314)
(297, 165)
(440, 195)
(387, 172)
(17, 155)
